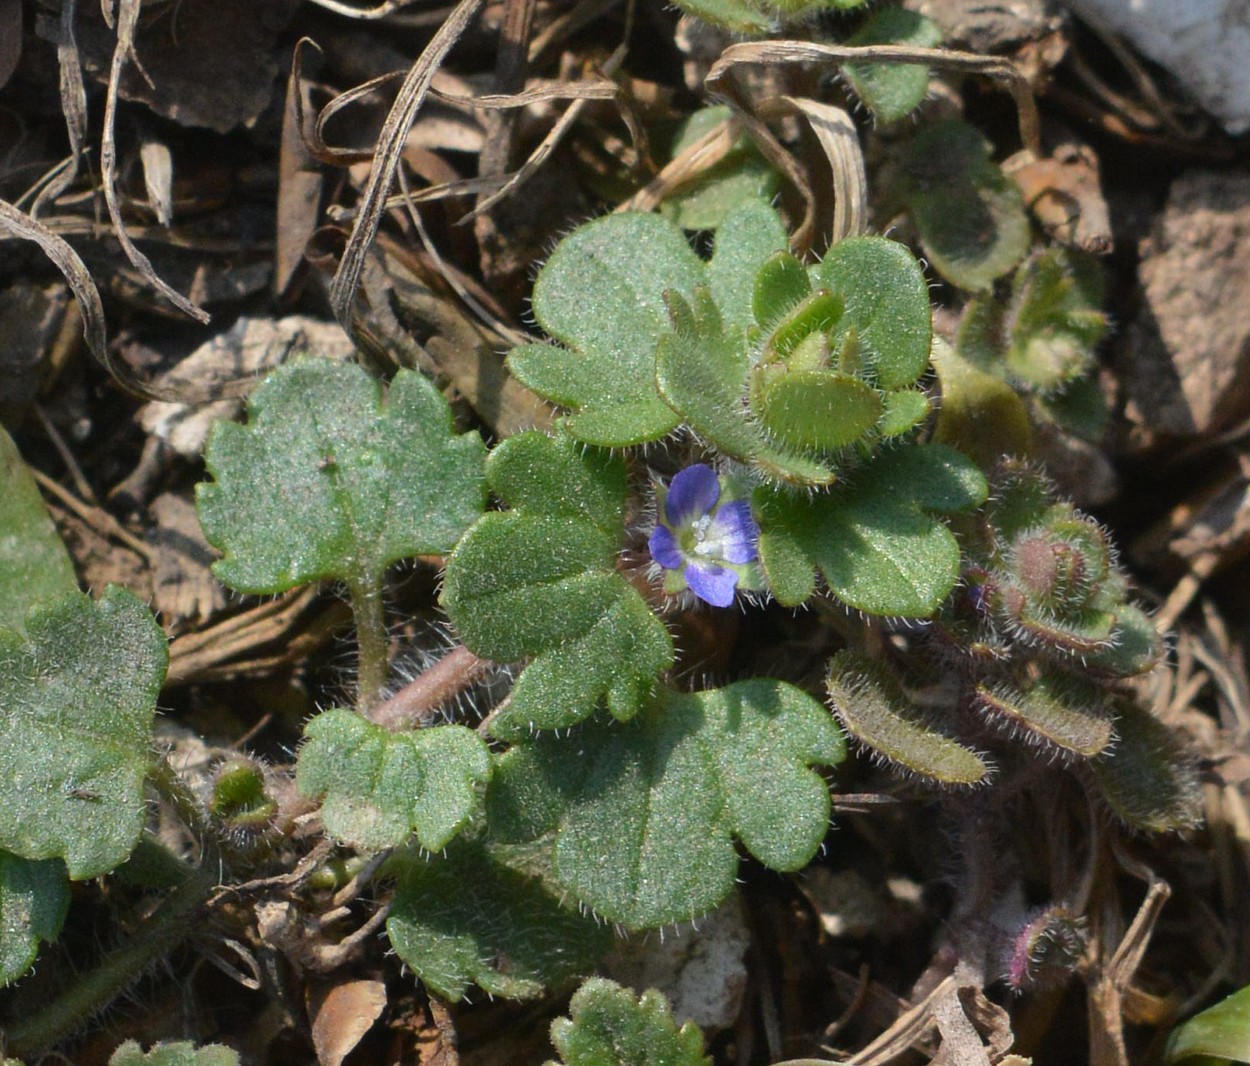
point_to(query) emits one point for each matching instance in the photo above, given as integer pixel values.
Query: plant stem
(453, 673)
(162, 931)
(371, 641)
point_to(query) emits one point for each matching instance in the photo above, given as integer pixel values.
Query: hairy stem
(162, 932)
(453, 673)
(371, 641)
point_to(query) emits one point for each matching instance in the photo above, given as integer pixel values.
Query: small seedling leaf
(540, 581)
(1058, 713)
(885, 301)
(75, 735)
(892, 90)
(1146, 777)
(970, 215)
(701, 370)
(610, 1026)
(331, 480)
(647, 811)
(601, 296)
(34, 897)
(466, 918)
(980, 414)
(381, 786)
(872, 706)
(875, 541)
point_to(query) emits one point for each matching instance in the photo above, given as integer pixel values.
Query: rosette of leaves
(1034, 645)
(1042, 338)
(821, 369)
(777, 365)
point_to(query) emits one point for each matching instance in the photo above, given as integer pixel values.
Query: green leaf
(1147, 778)
(466, 918)
(329, 480)
(1222, 1031)
(970, 215)
(646, 811)
(737, 16)
(601, 295)
(872, 706)
(609, 1027)
(540, 581)
(380, 786)
(34, 897)
(818, 410)
(702, 370)
(34, 565)
(1058, 713)
(874, 541)
(885, 302)
(76, 731)
(748, 237)
(742, 177)
(892, 90)
(181, 1053)
(980, 414)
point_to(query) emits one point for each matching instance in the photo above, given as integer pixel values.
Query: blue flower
(703, 544)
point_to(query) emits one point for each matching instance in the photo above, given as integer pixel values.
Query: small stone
(1187, 353)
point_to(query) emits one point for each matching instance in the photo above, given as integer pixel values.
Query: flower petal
(735, 529)
(664, 548)
(692, 494)
(712, 584)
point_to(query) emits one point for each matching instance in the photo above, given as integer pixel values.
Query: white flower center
(704, 544)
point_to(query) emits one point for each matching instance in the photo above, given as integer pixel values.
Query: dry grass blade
(128, 18)
(836, 133)
(687, 166)
(76, 275)
(378, 12)
(386, 160)
(783, 52)
(73, 107)
(549, 143)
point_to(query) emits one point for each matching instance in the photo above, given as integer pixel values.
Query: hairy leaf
(872, 706)
(980, 414)
(970, 215)
(1146, 777)
(701, 370)
(34, 897)
(646, 811)
(885, 302)
(76, 729)
(466, 918)
(330, 479)
(540, 581)
(748, 237)
(380, 786)
(874, 540)
(609, 1026)
(601, 296)
(892, 90)
(1059, 713)
(34, 565)
(181, 1053)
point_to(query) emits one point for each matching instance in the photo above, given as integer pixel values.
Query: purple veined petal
(712, 584)
(664, 550)
(692, 493)
(734, 527)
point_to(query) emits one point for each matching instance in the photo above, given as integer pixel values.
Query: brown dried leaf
(1064, 192)
(183, 587)
(341, 1015)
